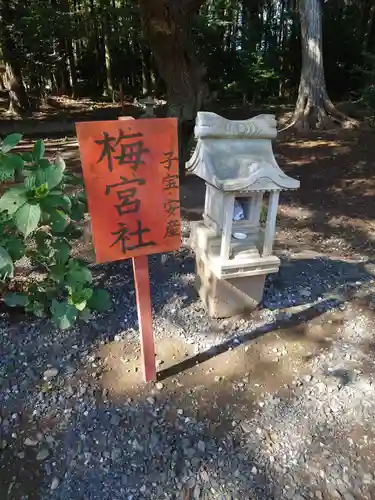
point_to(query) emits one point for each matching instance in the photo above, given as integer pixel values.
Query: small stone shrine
(234, 242)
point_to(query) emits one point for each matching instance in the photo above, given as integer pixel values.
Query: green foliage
(6, 264)
(242, 45)
(38, 220)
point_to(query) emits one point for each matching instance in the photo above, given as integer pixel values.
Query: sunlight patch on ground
(295, 212)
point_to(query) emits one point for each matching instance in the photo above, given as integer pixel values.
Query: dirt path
(277, 405)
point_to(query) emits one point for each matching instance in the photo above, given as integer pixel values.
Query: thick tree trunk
(68, 50)
(314, 108)
(62, 77)
(167, 26)
(147, 83)
(72, 66)
(18, 98)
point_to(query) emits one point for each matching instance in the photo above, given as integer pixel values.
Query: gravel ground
(227, 432)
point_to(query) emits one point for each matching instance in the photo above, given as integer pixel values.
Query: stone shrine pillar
(234, 242)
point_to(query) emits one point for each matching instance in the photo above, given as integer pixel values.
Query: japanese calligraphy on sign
(130, 170)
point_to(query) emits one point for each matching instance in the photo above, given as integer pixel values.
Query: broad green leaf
(41, 237)
(44, 163)
(59, 221)
(37, 308)
(55, 175)
(6, 221)
(78, 275)
(29, 307)
(40, 176)
(34, 289)
(51, 175)
(64, 315)
(62, 251)
(100, 301)
(86, 314)
(74, 180)
(38, 150)
(27, 218)
(86, 293)
(82, 197)
(10, 141)
(7, 171)
(80, 297)
(16, 248)
(27, 156)
(60, 163)
(6, 264)
(66, 203)
(78, 210)
(28, 171)
(30, 182)
(13, 199)
(73, 232)
(16, 299)
(57, 273)
(13, 160)
(53, 201)
(79, 294)
(80, 305)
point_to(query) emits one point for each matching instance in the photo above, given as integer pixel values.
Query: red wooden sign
(130, 169)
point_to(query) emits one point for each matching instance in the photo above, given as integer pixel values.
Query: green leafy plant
(39, 220)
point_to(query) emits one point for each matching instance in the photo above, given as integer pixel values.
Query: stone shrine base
(226, 298)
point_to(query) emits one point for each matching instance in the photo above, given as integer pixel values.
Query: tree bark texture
(369, 21)
(314, 108)
(167, 25)
(18, 98)
(68, 49)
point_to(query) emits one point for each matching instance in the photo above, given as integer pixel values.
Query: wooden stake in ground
(142, 289)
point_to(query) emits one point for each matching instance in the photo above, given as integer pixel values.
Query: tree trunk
(314, 108)
(369, 23)
(68, 50)
(97, 49)
(72, 66)
(106, 30)
(167, 25)
(281, 44)
(108, 63)
(62, 76)
(147, 83)
(18, 98)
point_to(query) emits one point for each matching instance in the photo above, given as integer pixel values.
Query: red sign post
(130, 169)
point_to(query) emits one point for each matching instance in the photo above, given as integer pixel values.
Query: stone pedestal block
(226, 298)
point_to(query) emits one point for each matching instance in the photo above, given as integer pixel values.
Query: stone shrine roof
(236, 155)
